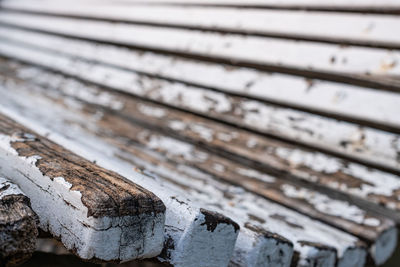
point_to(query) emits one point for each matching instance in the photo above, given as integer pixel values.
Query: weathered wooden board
(359, 6)
(309, 252)
(342, 28)
(226, 48)
(375, 148)
(189, 239)
(96, 213)
(18, 225)
(318, 97)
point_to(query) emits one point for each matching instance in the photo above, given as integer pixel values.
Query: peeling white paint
(374, 181)
(330, 206)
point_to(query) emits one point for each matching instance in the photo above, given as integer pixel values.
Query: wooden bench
(234, 119)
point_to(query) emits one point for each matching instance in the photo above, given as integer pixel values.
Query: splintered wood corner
(163, 128)
(79, 202)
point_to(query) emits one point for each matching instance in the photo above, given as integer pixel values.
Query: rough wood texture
(96, 213)
(18, 225)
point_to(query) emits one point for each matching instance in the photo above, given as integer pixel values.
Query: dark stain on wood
(213, 219)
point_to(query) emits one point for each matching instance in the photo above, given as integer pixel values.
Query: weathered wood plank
(79, 202)
(336, 28)
(227, 49)
(18, 225)
(360, 6)
(310, 252)
(349, 141)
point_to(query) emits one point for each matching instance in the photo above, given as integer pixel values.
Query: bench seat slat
(337, 27)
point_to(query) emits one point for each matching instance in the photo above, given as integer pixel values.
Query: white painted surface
(353, 3)
(364, 143)
(353, 60)
(298, 23)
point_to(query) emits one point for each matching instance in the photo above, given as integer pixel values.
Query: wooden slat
(73, 203)
(18, 225)
(360, 6)
(339, 28)
(271, 209)
(229, 49)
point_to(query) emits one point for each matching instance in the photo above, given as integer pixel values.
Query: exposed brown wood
(18, 225)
